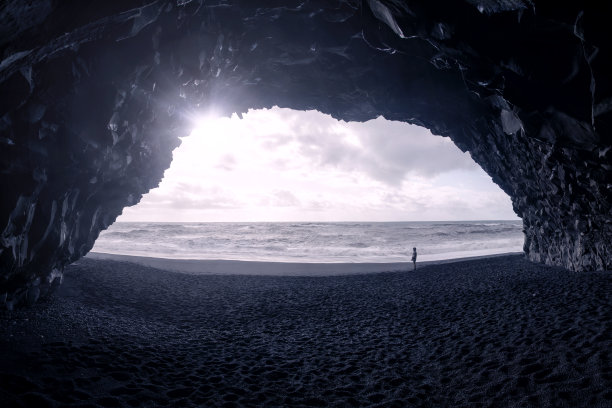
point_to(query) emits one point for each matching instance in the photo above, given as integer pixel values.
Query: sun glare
(213, 133)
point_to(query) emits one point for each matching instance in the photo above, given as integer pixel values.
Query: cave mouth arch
(293, 176)
(92, 104)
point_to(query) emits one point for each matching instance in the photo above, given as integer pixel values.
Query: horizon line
(315, 222)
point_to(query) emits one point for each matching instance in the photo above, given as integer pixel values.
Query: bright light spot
(214, 135)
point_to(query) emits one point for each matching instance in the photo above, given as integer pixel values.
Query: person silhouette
(414, 256)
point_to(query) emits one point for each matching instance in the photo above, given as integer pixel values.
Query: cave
(95, 96)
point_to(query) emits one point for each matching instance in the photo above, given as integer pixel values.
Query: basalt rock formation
(94, 95)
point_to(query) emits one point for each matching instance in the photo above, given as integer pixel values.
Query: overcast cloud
(284, 165)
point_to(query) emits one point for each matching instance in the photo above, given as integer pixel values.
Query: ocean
(312, 241)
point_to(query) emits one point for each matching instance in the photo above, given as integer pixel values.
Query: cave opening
(289, 167)
(283, 164)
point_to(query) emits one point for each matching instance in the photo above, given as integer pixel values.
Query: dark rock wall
(94, 96)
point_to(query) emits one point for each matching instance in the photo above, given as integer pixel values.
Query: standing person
(414, 255)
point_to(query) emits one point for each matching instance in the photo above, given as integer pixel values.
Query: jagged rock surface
(94, 96)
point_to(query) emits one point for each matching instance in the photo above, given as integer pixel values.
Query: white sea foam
(313, 242)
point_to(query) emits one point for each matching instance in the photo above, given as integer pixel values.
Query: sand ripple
(492, 332)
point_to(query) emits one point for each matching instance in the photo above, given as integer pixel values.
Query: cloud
(384, 150)
(280, 198)
(410, 149)
(319, 205)
(182, 196)
(285, 165)
(227, 162)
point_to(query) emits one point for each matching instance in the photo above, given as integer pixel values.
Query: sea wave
(312, 242)
(358, 245)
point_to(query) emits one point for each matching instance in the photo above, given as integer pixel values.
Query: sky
(285, 165)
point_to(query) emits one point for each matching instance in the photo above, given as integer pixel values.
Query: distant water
(313, 242)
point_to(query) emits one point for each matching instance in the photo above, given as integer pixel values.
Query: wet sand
(263, 268)
(497, 332)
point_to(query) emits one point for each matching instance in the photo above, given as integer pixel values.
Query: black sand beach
(497, 332)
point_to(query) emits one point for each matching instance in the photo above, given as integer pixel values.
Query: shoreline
(273, 268)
